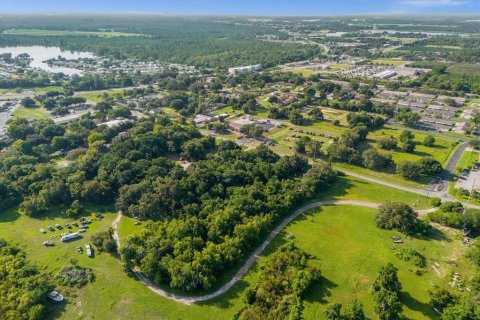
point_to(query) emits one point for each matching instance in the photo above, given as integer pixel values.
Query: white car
(42, 230)
(55, 296)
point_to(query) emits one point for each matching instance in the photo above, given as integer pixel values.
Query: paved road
(253, 257)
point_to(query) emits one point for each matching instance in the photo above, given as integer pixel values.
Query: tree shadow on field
(320, 291)
(9, 215)
(433, 234)
(415, 305)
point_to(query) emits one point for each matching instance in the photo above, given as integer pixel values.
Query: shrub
(398, 216)
(104, 241)
(74, 276)
(436, 202)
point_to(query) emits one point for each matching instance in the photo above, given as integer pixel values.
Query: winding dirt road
(253, 257)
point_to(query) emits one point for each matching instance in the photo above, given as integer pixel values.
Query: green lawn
(350, 188)
(467, 161)
(43, 33)
(115, 295)
(441, 151)
(349, 250)
(35, 113)
(388, 62)
(443, 47)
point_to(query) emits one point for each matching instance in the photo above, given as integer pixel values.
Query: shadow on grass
(320, 291)
(432, 235)
(9, 215)
(56, 310)
(415, 305)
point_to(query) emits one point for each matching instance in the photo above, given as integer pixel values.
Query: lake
(40, 54)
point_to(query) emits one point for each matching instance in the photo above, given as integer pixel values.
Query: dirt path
(115, 228)
(253, 257)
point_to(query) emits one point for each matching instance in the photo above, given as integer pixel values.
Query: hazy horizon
(243, 8)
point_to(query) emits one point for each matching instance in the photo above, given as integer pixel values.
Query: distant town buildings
(245, 69)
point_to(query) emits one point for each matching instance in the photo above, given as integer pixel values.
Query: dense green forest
(23, 288)
(209, 215)
(197, 41)
(278, 293)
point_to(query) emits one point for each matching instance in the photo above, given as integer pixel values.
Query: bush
(398, 216)
(74, 276)
(104, 241)
(387, 143)
(430, 166)
(409, 170)
(436, 202)
(408, 254)
(429, 141)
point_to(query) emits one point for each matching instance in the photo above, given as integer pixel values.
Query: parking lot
(469, 180)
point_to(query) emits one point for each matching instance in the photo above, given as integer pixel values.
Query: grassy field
(35, 113)
(441, 151)
(443, 47)
(349, 230)
(464, 69)
(123, 297)
(467, 161)
(401, 39)
(350, 188)
(388, 62)
(97, 96)
(41, 32)
(339, 66)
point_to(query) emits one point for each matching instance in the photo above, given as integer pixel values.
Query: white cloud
(432, 3)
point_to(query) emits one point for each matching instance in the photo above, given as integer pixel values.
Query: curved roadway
(253, 257)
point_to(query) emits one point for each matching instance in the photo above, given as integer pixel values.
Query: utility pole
(471, 190)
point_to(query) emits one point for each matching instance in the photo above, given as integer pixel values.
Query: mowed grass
(388, 62)
(469, 69)
(351, 188)
(42, 32)
(35, 113)
(467, 160)
(443, 47)
(441, 150)
(349, 250)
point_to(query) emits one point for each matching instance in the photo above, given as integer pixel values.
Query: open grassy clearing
(402, 40)
(441, 151)
(97, 96)
(443, 47)
(464, 69)
(130, 299)
(41, 32)
(467, 161)
(349, 250)
(339, 66)
(35, 113)
(350, 188)
(477, 101)
(388, 62)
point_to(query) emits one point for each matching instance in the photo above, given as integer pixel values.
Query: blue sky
(246, 7)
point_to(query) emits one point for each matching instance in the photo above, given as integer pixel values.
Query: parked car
(48, 244)
(59, 227)
(82, 230)
(50, 228)
(79, 250)
(55, 296)
(42, 230)
(68, 226)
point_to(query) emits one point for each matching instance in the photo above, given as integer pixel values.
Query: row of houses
(422, 98)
